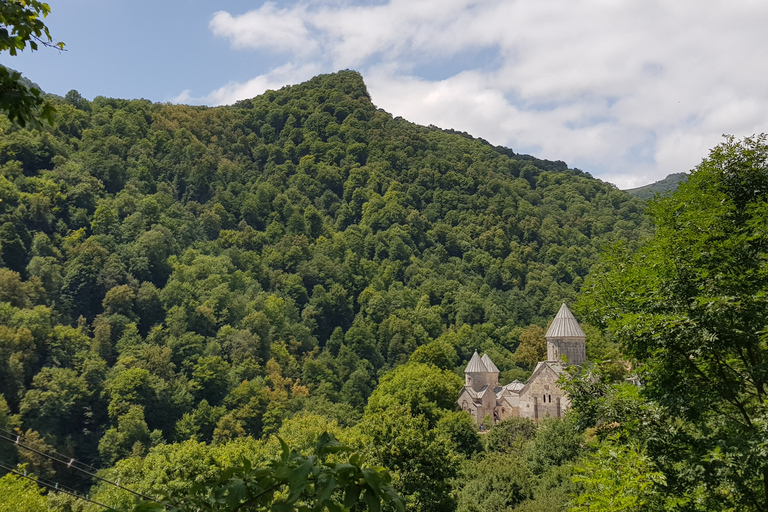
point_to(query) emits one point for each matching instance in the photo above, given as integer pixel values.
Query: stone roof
(489, 364)
(515, 386)
(476, 365)
(565, 325)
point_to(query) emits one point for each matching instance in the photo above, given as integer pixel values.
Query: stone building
(540, 396)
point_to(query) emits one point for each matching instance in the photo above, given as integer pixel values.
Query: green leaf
(324, 487)
(297, 479)
(148, 506)
(285, 454)
(371, 501)
(371, 477)
(237, 492)
(352, 495)
(281, 506)
(327, 444)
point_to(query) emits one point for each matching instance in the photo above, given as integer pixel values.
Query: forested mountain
(668, 184)
(173, 273)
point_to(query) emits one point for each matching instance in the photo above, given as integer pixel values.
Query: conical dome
(565, 325)
(475, 365)
(489, 364)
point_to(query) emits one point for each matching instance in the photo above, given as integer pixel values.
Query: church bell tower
(566, 338)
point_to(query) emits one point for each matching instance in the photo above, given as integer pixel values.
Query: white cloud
(266, 27)
(231, 92)
(629, 91)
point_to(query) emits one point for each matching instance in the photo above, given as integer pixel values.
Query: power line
(54, 487)
(5, 434)
(20, 437)
(71, 463)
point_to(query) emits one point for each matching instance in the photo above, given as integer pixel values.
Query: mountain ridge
(664, 186)
(211, 273)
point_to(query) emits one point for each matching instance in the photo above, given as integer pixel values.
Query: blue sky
(629, 91)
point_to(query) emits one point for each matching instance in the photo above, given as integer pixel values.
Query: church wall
(573, 348)
(542, 397)
(477, 380)
(505, 410)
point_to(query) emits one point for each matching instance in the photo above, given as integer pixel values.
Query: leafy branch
(293, 483)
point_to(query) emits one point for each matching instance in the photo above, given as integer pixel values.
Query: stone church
(540, 396)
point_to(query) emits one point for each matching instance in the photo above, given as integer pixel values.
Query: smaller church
(540, 396)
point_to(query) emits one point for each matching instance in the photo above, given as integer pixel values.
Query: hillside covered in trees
(298, 262)
(665, 186)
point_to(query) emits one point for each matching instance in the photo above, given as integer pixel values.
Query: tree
(532, 347)
(619, 478)
(424, 389)
(692, 307)
(461, 430)
(556, 443)
(21, 494)
(20, 25)
(439, 353)
(131, 433)
(419, 457)
(292, 483)
(494, 482)
(510, 435)
(56, 403)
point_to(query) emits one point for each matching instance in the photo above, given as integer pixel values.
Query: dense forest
(178, 283)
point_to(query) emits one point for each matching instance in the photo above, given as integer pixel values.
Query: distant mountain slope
(668, 184)
(176, 266)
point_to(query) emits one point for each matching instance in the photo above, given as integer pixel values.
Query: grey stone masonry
(538, 398)
(565, 339)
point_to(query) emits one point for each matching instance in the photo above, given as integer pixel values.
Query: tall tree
(692, 307)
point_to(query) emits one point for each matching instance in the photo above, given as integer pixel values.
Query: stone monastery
(540, 396)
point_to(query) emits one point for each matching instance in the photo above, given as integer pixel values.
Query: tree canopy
(172, 275)
(691, 307)
(22, 27)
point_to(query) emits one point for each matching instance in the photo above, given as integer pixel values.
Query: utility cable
(72, 463)
(20, 437)
(54, 487)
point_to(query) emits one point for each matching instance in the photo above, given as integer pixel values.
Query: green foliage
(495, 482)
(23, 27)
(510, 435)
(557, 442)
(438, 353)
(691, 306)
(532, 347)
(461, 430)
(600, 398)
(419, 457)
(22, 495)
(130, 436)
(618, 477)
(293, 482)
(170, 273)
(510, 474)
(424, 389)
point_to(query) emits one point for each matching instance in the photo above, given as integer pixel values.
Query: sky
(627, 90)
